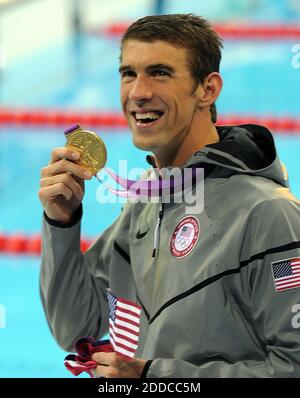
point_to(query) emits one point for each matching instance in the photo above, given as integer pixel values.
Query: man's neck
(191, 144)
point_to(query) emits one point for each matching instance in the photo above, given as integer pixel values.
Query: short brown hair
(185, 30)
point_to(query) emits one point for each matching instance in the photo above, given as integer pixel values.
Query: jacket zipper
(157, 232)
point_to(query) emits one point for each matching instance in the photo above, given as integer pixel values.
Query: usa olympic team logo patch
(185, 237)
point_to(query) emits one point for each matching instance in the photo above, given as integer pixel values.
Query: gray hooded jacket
(220, 309)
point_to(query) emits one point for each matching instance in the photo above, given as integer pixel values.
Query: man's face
(157, 94)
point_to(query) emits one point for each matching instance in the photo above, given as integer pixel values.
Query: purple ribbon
(150, 188)
(142, 188)
(71, 128)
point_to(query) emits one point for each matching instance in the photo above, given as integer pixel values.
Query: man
(224, 307)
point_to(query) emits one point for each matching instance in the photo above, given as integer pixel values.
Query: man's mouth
(147, 118)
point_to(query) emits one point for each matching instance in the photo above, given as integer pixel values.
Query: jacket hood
(243, 149)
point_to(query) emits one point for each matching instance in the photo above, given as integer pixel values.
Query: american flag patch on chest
(286, 274)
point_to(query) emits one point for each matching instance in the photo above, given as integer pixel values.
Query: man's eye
(127, 73)
(160, 73)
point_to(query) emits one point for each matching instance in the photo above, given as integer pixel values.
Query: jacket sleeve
(73, 285)
(273, 236)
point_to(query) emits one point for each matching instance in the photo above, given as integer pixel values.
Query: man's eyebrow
(124, 67)
(165, 67)
(149, 68)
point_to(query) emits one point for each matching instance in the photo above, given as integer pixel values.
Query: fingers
(63, 161)
(65, 179)
(62, 184)
(54, 190)
(106, 365)
(65, 166)
(107, 371)
(64, 153)
(110, 365)
(105, 358)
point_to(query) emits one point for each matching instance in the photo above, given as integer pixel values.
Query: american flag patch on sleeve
(286, 274)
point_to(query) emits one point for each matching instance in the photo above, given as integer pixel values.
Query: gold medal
(91, 148)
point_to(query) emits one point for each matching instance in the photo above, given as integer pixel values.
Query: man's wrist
(145, 370)
(75, 219)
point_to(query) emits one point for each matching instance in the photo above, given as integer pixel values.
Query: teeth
(149, 115)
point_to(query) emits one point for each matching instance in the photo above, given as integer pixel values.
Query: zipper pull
(156, 233)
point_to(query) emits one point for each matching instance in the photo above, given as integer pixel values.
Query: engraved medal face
(92, 149)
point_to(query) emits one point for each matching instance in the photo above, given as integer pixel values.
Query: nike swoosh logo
(141, 235)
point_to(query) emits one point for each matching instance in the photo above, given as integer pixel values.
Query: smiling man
(167, 110)
(215, 289)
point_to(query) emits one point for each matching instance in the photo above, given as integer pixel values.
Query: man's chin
(143, 145)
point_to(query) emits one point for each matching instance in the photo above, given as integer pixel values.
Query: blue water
(258, 79)
(26, 347)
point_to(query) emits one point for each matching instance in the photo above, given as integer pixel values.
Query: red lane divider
(227, 31)
(260, 32)
(283, 124)
(110, 120)
(29, 245)
(50, 118)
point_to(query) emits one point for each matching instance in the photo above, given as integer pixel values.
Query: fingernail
(87, 174)
(75, 155)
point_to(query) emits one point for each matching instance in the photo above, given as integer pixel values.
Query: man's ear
(208, 92)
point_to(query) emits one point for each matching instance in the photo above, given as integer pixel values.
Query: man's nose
(140, 91)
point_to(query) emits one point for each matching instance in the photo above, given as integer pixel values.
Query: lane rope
(226, 30)
(111, 120)
(28, 244)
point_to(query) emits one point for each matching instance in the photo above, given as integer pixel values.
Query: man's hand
(62, 185)
(111, 366)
